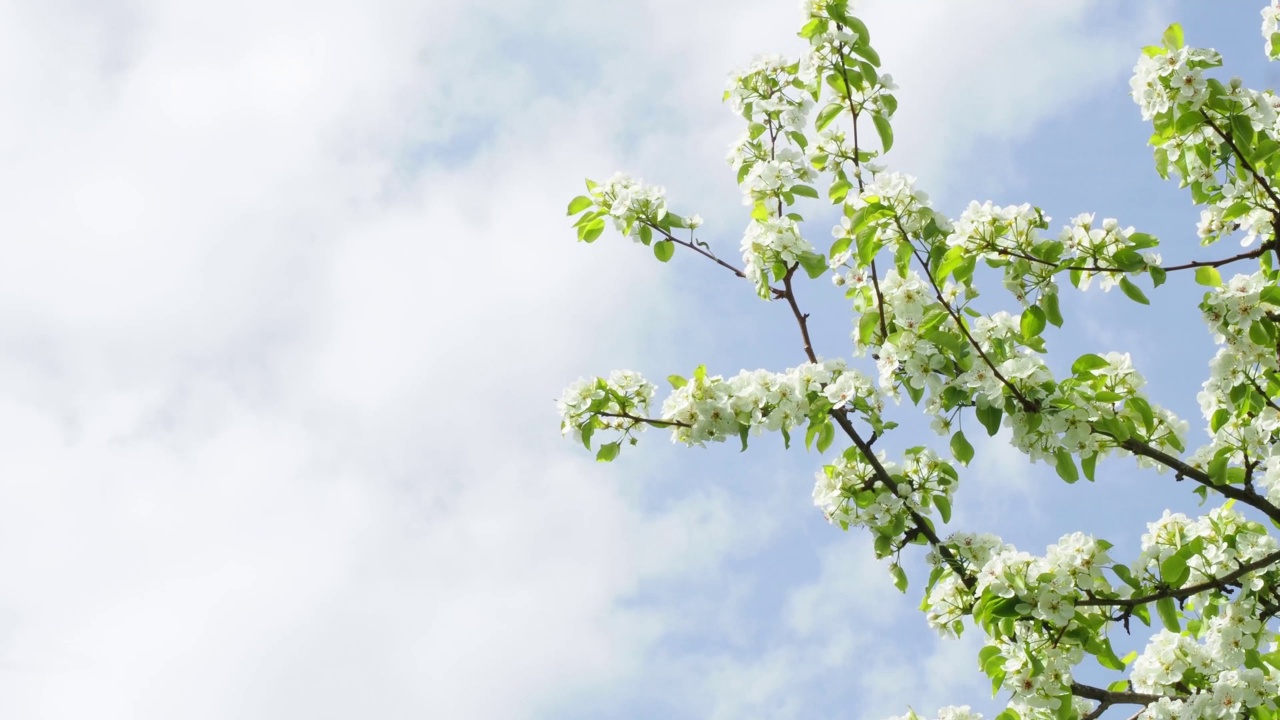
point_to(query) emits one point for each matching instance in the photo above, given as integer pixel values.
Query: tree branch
(709, 255)
(1219, 583)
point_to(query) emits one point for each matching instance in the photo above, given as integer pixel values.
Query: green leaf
(676, 381)
(865, 50)
(664, 249)
(1129, 260)
(804, 191)
(1258, 334)
(884, 130)
(867, 326)
(814, 264)
(579, 204)
(944, 507)
(1088, 465)
(1033, 322)
(592, 231)
(1174, 570)
(961, 448)
(989, 417)
(608, 452)
(813, 27)
(1168, 615)
(1065, 465)
(839, 190)
(986, 654)
(1107, 657)
(1087, 363)
(826, 434)
(1133, 292)
(646, 234)
(826, 115)
(899, 577)
(1209, 277)
(952, 260)
(1172, 37)
(1049, 301)
(1123, 572)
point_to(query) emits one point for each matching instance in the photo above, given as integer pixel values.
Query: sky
(288, 294)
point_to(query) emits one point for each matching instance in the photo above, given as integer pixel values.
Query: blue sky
(288, 294)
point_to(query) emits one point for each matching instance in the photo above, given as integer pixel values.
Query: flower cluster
(713, 409)
(630, 203)
(852, 492)
(1181, 552)
(1244, 423)
(948, 600)
(769, 248)
(1195, 118)
(1271, 26)
(1204, 679)
(618, 403)
(775, 97)
(1028, 605)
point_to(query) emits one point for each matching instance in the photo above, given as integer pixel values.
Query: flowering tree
(1209, 586)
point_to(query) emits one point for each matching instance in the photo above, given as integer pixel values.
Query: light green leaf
(899, 577)
(608, 452)
(1209, 277)
(1172, 37)
(884, 130)
(664, 249)
(1033, 322)
(1049, 301)
(1087, 363)
(592, 231)
(1168, 614)
(866, 51)
(961, 448)
(1065, 465)
(826, 434)
(1132, 291)
(579, 204)
(1088, 465)
(826, 115)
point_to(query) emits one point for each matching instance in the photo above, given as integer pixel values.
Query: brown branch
(1182, 469)
(1219, 583)
(921, 525)
(1255, 253)
(1027, 405)
(853, 114)
(1109, 697)
(1257, 177)
(801, 318)
(709, 255)
(647, 421)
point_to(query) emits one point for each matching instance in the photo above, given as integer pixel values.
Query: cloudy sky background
(288, 294)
